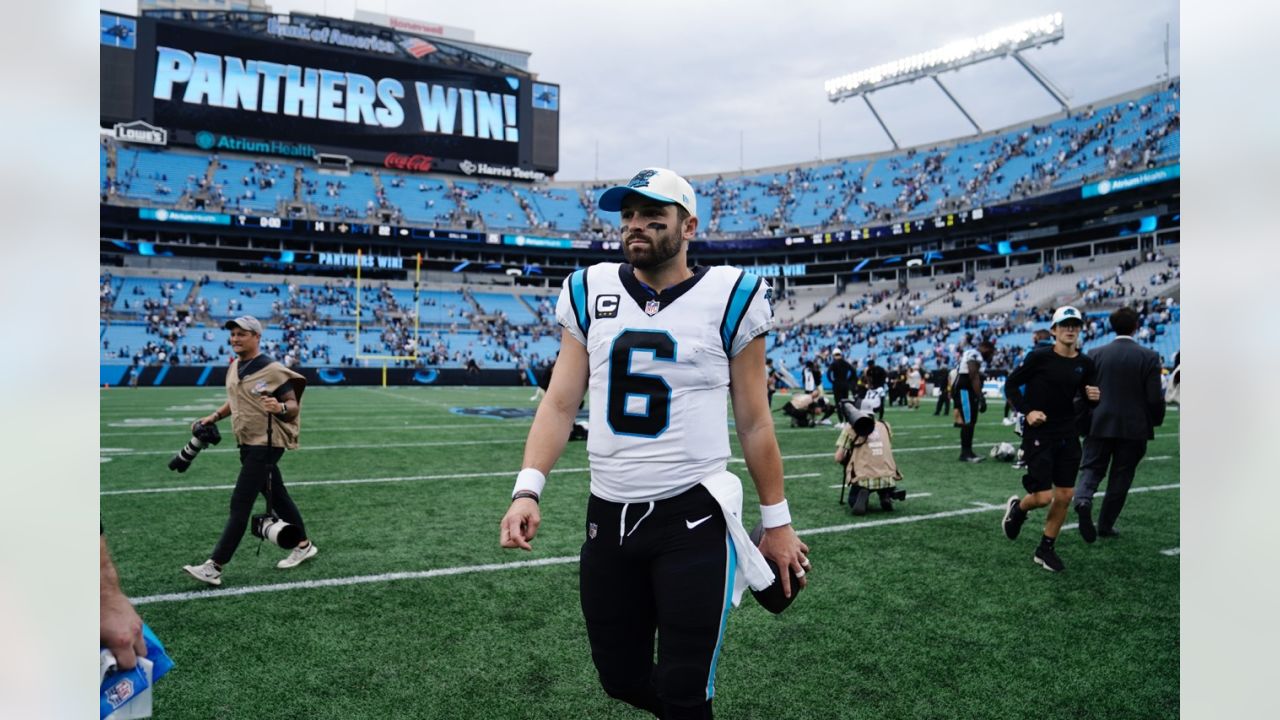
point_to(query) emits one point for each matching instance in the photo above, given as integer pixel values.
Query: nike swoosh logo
(696, 523)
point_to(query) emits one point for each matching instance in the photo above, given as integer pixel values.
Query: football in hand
(771, 598)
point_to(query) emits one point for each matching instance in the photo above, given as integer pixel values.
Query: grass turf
(939, 617)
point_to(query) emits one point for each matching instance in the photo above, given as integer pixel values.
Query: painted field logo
(495, 412)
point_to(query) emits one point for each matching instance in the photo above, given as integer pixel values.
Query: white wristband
(530, 479)
(773, 516)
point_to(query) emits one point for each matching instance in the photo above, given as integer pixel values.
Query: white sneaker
(1007, 421)
(298, 555)
(205, 572)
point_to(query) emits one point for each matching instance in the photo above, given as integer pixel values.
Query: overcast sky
(635, 76)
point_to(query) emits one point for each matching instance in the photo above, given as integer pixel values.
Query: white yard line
(356, 580)
(486, 424)
(1171, 552)
(521, 564)
(344, 481)
(356, 446)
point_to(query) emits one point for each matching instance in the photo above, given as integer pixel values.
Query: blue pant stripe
(731, 567)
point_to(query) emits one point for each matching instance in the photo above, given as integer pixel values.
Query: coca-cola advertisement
(412, 163)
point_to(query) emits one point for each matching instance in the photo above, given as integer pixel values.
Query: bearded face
(651, 232)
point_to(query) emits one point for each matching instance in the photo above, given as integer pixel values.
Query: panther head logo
(642, 178)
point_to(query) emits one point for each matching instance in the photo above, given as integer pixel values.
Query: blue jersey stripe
(578, 294)
(738, 303)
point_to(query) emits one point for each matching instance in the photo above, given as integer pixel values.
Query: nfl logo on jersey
(652, 307)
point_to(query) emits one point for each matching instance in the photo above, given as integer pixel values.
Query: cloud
(635, 74)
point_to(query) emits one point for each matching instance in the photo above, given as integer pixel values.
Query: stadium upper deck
(1137, 131)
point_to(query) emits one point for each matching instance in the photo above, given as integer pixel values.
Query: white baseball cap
(657, 183)
(245, 322)
(1064, 313)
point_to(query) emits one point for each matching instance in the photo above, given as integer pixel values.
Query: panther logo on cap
(642, 178)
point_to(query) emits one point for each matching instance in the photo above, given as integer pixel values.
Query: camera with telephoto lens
(862, 422)
(266, 526)
(202, 436)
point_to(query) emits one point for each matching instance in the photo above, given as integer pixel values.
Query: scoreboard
(304, 86)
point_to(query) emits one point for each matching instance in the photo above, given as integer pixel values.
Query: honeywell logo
(414, 26)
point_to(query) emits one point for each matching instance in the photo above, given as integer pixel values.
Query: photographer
(263, 401)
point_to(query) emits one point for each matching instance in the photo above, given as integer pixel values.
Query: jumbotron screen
(309, 92)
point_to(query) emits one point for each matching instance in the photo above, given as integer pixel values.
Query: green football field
(412, 610)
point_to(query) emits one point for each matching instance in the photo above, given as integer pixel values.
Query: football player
(969, 400)
(659, 345)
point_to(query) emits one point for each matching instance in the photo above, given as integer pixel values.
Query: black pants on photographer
(257, 465)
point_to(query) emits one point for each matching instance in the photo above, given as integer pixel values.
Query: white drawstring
(622, 521)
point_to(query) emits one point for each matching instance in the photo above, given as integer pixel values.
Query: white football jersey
(660, 372)
(971, 355)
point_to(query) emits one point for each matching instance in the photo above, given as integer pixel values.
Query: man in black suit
(1132, 406)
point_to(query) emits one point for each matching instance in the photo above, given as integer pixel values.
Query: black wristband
(525, 494)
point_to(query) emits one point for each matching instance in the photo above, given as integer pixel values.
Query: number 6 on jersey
(639, 403)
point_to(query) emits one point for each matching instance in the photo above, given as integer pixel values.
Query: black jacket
(840, 372)
(1132, 404)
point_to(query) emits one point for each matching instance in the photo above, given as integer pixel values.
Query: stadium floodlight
(997, 43)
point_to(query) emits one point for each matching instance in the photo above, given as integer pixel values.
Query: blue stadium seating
(339, 195)
(559, 208)
(242, 184)
(495, 203)
(517, 312)
(259, 305)
(158, 176)
(422, 200)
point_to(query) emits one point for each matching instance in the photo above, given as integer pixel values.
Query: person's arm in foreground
(764, 460)
(548, 436)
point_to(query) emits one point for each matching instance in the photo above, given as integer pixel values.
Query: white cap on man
(245, 322)
(658, 183)
(1066, 313)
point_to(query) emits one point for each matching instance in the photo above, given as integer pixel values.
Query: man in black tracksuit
(842, 376)
(1045, 388)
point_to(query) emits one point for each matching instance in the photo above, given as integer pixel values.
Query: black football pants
(663, 568)
(257, 465)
